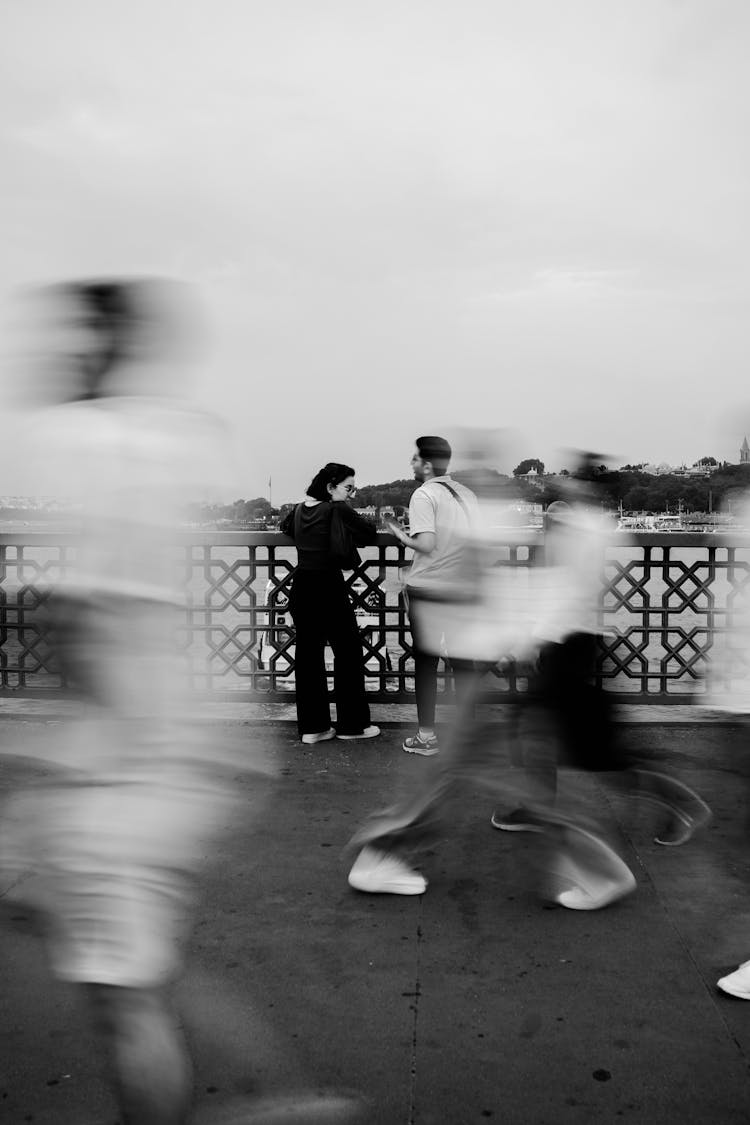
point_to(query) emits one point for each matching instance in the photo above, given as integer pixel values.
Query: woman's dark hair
(333, 474)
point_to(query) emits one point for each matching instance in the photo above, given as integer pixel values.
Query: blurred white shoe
(379, 872)
(737, 983)
(286, 1109)
(597, 894)
(598, 879)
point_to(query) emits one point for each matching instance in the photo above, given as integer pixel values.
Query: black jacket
(310, 528)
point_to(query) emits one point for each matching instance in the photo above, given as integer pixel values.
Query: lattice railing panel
(668, 601)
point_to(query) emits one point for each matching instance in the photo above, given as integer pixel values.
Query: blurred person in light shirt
(728, 688)
(569, 720)
(107, 849)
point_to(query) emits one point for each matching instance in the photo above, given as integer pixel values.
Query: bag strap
(464, 507)
(456, 496)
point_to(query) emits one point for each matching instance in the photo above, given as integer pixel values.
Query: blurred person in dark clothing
(327, 532)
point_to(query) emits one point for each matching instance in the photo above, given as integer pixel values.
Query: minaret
(745, 452)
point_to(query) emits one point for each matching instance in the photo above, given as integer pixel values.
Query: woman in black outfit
(322, 612)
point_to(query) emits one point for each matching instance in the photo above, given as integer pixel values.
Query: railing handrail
(521, 536)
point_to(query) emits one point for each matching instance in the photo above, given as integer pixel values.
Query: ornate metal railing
(665, 599)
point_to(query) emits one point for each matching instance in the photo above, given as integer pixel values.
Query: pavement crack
(415, 1022)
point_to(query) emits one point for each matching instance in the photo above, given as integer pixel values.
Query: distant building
(699, 470)
(745, 452)
(535, 479)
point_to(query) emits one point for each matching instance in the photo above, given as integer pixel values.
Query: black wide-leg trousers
(322, 613)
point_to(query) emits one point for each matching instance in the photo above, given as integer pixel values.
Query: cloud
(386, 204)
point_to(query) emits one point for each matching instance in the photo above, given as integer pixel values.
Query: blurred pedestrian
(568, 719)
(464, 604)
(729, 687)
(112, 841)
(108, 847)
(327, 532)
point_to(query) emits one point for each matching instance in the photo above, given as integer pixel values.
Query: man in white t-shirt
(442, 513)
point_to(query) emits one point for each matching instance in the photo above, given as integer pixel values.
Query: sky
(401, 217)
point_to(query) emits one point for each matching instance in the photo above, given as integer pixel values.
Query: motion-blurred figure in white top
(569, 720)
(466, 605)
(729, 690)
(108, 848)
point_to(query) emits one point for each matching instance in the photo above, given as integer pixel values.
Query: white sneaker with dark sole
(377, 872)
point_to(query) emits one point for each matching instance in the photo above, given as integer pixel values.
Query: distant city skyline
(400, 218)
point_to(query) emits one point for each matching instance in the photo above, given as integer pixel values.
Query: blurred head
(431, 458)
(92, 338)
(332, 482)
(557, 516)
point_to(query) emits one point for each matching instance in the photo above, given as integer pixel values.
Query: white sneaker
(319, 736)
(368, 732)
(602, 880)
(379, 872)
(737, 983)
(596, 895)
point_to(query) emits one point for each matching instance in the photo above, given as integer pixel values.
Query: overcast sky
(403, 216)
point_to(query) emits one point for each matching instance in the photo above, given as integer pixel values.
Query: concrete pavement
(475, 1002)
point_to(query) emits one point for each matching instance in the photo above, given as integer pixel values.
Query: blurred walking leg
(150, 1063)
(389, 836)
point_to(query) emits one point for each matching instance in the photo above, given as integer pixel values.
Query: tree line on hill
(639, 491)
(631, 486)
(636, 489)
